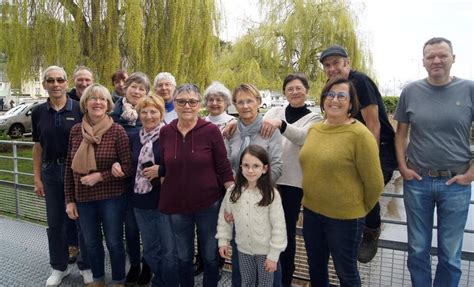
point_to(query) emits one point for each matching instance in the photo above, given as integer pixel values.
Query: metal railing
(388, 268)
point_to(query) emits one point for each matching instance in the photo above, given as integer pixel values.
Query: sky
(393, 31)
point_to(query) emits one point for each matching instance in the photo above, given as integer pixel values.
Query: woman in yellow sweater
(342, 181)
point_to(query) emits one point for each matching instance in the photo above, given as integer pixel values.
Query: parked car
(310, 103)
(17, 121)
(282, 102)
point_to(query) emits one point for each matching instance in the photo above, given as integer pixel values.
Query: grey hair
(164, 76)
(80, 68)
(187, 88)
(140, 78)
(53, 68)
(217, 88)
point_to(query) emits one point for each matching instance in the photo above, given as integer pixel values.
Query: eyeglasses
(296, 89)
(341, 96)
(58, 80)
(217, 100)
(97, 99)
(164, 85)
(247, 166)
(191, 103)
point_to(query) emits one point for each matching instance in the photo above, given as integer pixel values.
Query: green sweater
(342, 176)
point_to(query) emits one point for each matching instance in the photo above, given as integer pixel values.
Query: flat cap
(333, 51)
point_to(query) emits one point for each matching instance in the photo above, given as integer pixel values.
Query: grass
(24, 165)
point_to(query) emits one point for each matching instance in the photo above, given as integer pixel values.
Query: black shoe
(198, 267)
(145, 275)
(369, 245)
(133, 274)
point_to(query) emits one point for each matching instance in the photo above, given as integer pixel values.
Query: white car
(310, 103)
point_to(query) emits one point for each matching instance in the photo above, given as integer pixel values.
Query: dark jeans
(340, 238)
(105, 216)
(182, 226)
(291, 199)
(389, 164)
(71, 230)
(52, 176)
(236, 276)
(159, 247)
(132, 233)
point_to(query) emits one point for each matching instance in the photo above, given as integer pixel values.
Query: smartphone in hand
(156, 180)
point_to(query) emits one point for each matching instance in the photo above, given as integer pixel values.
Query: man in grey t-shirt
(438, 112)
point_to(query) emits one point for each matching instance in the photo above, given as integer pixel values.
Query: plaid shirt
(114, 147)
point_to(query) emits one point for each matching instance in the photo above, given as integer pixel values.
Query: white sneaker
(57, 277)
(86, 276)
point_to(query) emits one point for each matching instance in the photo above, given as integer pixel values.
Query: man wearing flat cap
(336, 64)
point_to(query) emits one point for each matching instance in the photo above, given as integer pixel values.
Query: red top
(195, 168)
(114, 147)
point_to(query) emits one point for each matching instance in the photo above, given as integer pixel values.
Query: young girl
(260, 229)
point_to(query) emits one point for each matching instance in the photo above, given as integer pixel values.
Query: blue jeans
(105, 216)
(132, 233)
(452, 205)
(52, 176)
(236, 276)
(159, 247)
(182, 226)
(324, 236)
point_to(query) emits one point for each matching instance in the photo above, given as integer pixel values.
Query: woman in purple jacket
(193, 164)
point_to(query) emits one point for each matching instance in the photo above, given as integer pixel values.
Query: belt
(55, 161)
(438, 172)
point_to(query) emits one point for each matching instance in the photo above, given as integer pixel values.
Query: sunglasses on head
(58, 80)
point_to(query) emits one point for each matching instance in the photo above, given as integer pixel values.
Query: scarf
(129, 114)
(84, 159)
(220, 121)
(142, 184)
(246, 133)
(169, 106)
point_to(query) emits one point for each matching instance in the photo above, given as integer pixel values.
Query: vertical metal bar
(15, 179)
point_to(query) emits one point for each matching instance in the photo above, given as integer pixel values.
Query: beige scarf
(84, 159)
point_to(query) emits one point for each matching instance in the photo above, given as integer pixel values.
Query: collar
(67, 106)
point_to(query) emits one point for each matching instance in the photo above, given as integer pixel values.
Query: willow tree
(150, 36)
(293, 34)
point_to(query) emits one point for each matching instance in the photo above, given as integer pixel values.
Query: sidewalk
(24, 257)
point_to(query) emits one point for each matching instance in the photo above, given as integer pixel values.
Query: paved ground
(24, 257)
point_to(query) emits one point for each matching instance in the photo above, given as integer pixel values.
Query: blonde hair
(151, 101)
(247, 89)
(95, 89)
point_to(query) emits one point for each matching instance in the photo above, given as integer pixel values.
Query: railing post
(15, 179)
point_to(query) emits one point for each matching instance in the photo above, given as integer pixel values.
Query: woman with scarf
(194, 166)
(93, 195)
(247, 100)
(137, 86)
(158, 244)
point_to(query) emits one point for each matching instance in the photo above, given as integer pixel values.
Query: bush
(390, 103)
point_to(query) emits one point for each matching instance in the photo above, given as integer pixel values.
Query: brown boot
(96, 284)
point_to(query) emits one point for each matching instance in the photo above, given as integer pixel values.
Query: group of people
(144, 158)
